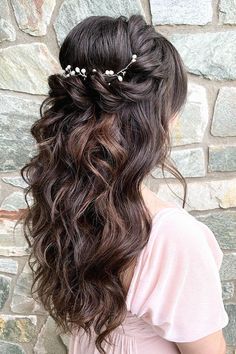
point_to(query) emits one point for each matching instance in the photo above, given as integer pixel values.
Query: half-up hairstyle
(95, 144)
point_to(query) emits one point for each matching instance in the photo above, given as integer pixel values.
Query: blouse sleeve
(179, 288)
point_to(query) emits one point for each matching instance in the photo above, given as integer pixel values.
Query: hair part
(96, 142)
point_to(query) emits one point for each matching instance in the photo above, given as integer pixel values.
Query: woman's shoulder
(171, 217)
(176, 223)
(175, 230)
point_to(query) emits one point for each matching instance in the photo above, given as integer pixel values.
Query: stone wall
(204, 138)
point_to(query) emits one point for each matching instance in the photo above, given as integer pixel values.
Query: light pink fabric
(175, 294)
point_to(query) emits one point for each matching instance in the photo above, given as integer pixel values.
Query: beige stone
(26, 67)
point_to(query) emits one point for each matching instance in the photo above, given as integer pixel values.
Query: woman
(116, 267)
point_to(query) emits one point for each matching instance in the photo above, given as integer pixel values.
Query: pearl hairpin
(77, 71)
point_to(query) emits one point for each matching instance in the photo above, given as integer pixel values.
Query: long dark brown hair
(87, 220)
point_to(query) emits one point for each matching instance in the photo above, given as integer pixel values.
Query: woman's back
(174, 293)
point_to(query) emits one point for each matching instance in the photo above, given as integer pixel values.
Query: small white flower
(77, 69)
(134, 56)
(120, 78)
(83, 71)
(72, 72)
(94, 70)
(111, 72)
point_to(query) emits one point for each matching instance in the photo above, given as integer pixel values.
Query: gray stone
(223, 225)
(33, 16)
(201, 195)
(181, 12)
(228, 267)
(15, 181)
(227, 12)
(10, 348)
(222, 158)
(22, 300)
(18, 328)
(227, 290)
(192, 122)
(224, 121)
(73, 11)
(190, 162)
(14, 202)
(65, 339)
(229, 331)
(16, 142)
(26, 67)
(7, 31)
(49, 340)
(5, 283)
(208, 54)
(229, 350)
(12, 243)
(8, 265)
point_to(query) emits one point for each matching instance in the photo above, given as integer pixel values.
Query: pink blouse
(175, 294)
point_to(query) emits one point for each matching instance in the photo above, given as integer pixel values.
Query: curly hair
(95, 144)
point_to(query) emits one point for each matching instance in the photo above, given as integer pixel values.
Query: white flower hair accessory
(77, 71)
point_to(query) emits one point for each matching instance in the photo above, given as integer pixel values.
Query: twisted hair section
(87, 221)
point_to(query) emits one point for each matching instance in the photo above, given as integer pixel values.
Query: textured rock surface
(230, 333)
(224, 122)
(191, 123)
(8, 265)
(5, 284)
(17, 328)
(33, 16)
(208, 54)
(7, 31)
(190, 162)
(47, 341)
(10, 348)
(228, 268)
(76, 11)
(222, 158)
(202, 195)
(228, 290)
(12, 244)
(181, 12)
(15, 181)
(22, 301)
(223, 224)
(227, 11)
(25, 68)
(16, 142)
(14, 201)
